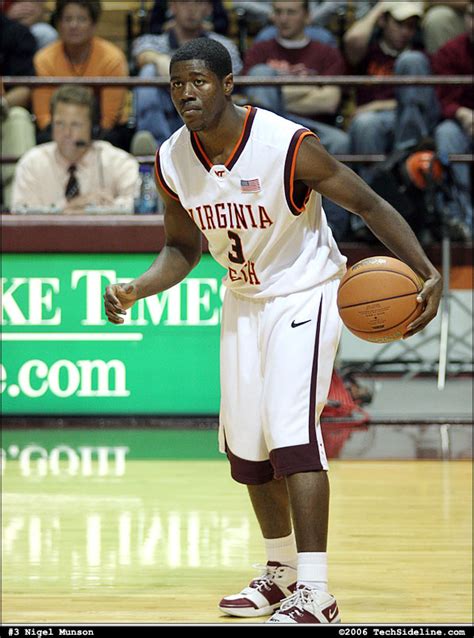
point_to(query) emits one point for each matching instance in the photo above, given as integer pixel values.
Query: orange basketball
(377, 299)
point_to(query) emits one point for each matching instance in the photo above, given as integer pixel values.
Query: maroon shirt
(455, 58)
(313, 59)
(375, 63)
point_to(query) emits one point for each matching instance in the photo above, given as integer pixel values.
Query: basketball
(377, 299)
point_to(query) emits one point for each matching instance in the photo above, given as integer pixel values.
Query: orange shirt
(105, 59)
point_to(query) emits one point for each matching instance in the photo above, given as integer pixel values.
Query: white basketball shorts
(277, 357)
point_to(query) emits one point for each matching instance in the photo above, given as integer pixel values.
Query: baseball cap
(403, 10)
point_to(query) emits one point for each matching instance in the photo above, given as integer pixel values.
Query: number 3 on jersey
(236, 253)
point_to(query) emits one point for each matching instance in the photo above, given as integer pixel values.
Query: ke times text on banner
(60, 355)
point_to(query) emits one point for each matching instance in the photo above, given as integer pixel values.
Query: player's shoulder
(272, 128)
(176, 143)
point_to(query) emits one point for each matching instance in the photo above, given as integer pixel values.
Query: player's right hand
(118, 298)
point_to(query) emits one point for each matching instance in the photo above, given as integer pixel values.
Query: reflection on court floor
(76, 531)
(165, 541)
(111, 533)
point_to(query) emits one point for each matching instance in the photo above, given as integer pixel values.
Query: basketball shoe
(264, 594)
(307, 606)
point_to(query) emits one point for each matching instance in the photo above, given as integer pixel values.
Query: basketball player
(252, 182)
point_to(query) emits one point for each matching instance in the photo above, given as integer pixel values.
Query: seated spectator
(154, 110)
(312, 31)
(73, 173)
(321, 14)
(161, 18)
(79, 52)
(293, 53)
(455, 133)
(31, 14)
(383, 43)
(18, 47)
(443, 21)
(388, 117)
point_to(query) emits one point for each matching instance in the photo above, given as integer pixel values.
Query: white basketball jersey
(271, 241)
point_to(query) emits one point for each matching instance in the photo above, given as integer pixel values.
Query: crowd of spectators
(281, 38)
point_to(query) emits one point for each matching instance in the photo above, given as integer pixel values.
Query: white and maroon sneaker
(307, 606)
(264, 594)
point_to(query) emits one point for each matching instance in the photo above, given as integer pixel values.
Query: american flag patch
(250, 185)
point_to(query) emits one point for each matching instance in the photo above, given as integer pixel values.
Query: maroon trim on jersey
(244, 138)
(249, 472)
(236, 151)
(305, 457)
(200, 153)
(161, 179)
(295, 204)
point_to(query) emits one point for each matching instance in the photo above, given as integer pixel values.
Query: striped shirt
(167, 43)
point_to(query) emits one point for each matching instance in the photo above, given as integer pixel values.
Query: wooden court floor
(164, 542)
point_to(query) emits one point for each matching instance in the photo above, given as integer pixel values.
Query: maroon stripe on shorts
(305, 457)
(314, 380)
(249, 472)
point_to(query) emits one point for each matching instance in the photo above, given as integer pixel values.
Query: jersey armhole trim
(296, 207)
(161, 179)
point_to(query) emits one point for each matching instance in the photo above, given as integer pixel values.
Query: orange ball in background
(423, 165)
(377, 299)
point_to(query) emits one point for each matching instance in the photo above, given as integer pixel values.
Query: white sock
(313, 570)
(281, 550)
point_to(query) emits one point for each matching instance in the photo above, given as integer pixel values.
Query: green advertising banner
(61, 356)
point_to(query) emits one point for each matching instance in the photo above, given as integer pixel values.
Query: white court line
(70, 336)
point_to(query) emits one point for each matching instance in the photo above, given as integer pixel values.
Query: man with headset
(74, 173)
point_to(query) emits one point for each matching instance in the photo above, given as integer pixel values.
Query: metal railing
(283, 80)
(244, 80)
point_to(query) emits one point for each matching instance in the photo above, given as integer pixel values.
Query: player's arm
(323, 173)
(180, 254)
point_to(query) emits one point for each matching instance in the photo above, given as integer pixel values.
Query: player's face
(198, 95)
(71, 124)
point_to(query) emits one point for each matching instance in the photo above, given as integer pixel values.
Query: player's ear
(228, 84)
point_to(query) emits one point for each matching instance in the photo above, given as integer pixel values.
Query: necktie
(72, 186)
